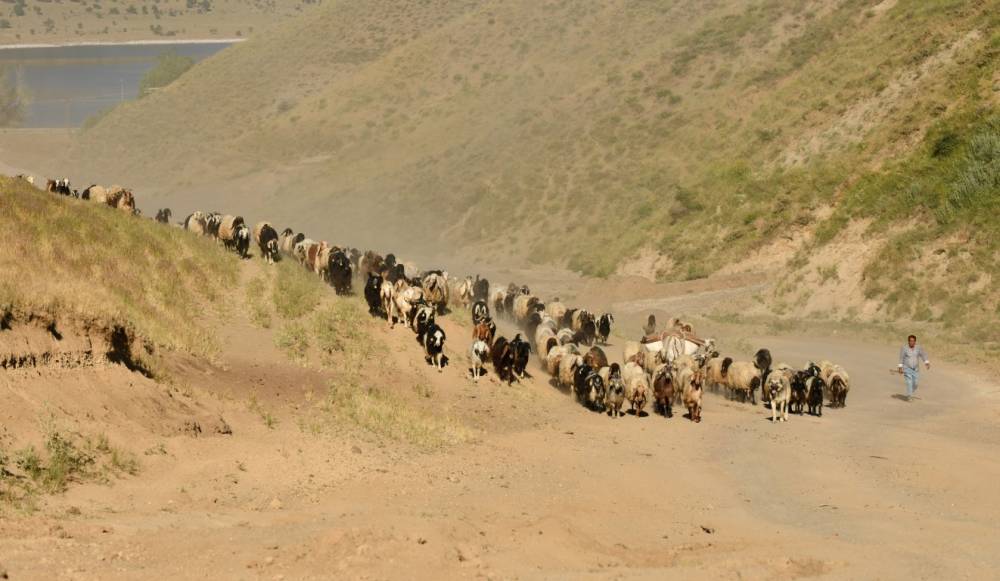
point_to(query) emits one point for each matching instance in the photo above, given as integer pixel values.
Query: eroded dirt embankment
(33, 339)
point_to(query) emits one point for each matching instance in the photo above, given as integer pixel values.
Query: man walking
(910, 356)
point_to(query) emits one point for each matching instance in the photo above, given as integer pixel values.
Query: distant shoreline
(124, 43)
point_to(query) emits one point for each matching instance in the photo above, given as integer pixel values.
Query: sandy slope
(881, 489)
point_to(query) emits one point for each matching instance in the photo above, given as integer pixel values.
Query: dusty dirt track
(881, 489)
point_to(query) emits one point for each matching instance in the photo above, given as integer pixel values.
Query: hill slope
(583, 134)
(87, 271)
(117, 20)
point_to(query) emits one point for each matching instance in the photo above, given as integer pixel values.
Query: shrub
(169, 67)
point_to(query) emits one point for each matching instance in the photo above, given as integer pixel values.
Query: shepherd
(910, 356)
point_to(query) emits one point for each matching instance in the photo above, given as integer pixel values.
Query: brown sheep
(595, 358)
(690, 384)
(837, 383)
(663, 390)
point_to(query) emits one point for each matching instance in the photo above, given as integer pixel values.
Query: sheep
(212, 222)
(548, 322)
(579, 387)
(301, 250)
(614, 395)
(485, 331)
(463, 293)
(163, 215)
(583, 322)
(373, 292)
(815, 395)
(554, 357)
(241, 241)
(596, 358)
(522, 352)
(762, 361)
(498, 300)
(405, 298)
(481, 289)
(288, 239)
(339, 272)
(636, 386)
(837, 382)
(532, 324)
(650, 327)
(479, 353)
(556, 309)
(545, 340)
(434, 346)
(195, 223)
(524, 306)
(480, 312)
(714, 377)
(613, 370)
(689, 381)
(421, 319)
(742, 377)
(387, 294)
(267, 240)
(227, 229)
(604, 325)
(503, 359)
(800, 392)
(779, 389)
(436, 291)
(565, 336)
(567, 369)
(596, 391)
(321, 262)
(663, 389)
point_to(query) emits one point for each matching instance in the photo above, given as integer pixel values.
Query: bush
(11, 105)
(169, 67)
(296, 291)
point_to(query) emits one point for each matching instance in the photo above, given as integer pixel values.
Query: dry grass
(82, 263)
(66, 458)
(387, 415)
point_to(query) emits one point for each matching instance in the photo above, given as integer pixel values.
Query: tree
(11, 106)
(169, 66)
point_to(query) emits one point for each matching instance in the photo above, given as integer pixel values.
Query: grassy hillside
(83, 264)
(586, 133)
(58, 21)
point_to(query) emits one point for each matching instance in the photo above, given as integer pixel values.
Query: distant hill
(62, 21)
(824, 144)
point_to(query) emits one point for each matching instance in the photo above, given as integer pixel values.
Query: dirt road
(883, 489)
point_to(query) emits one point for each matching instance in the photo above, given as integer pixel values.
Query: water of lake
(65, 85)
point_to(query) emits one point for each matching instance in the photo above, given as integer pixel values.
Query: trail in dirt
(880, 489)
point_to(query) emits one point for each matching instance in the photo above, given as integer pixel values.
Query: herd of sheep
(665, 367)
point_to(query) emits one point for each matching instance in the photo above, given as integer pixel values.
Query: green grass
(258, 302)
(66, 458)
(296, 291)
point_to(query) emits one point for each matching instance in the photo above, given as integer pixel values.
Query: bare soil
(883, 488)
